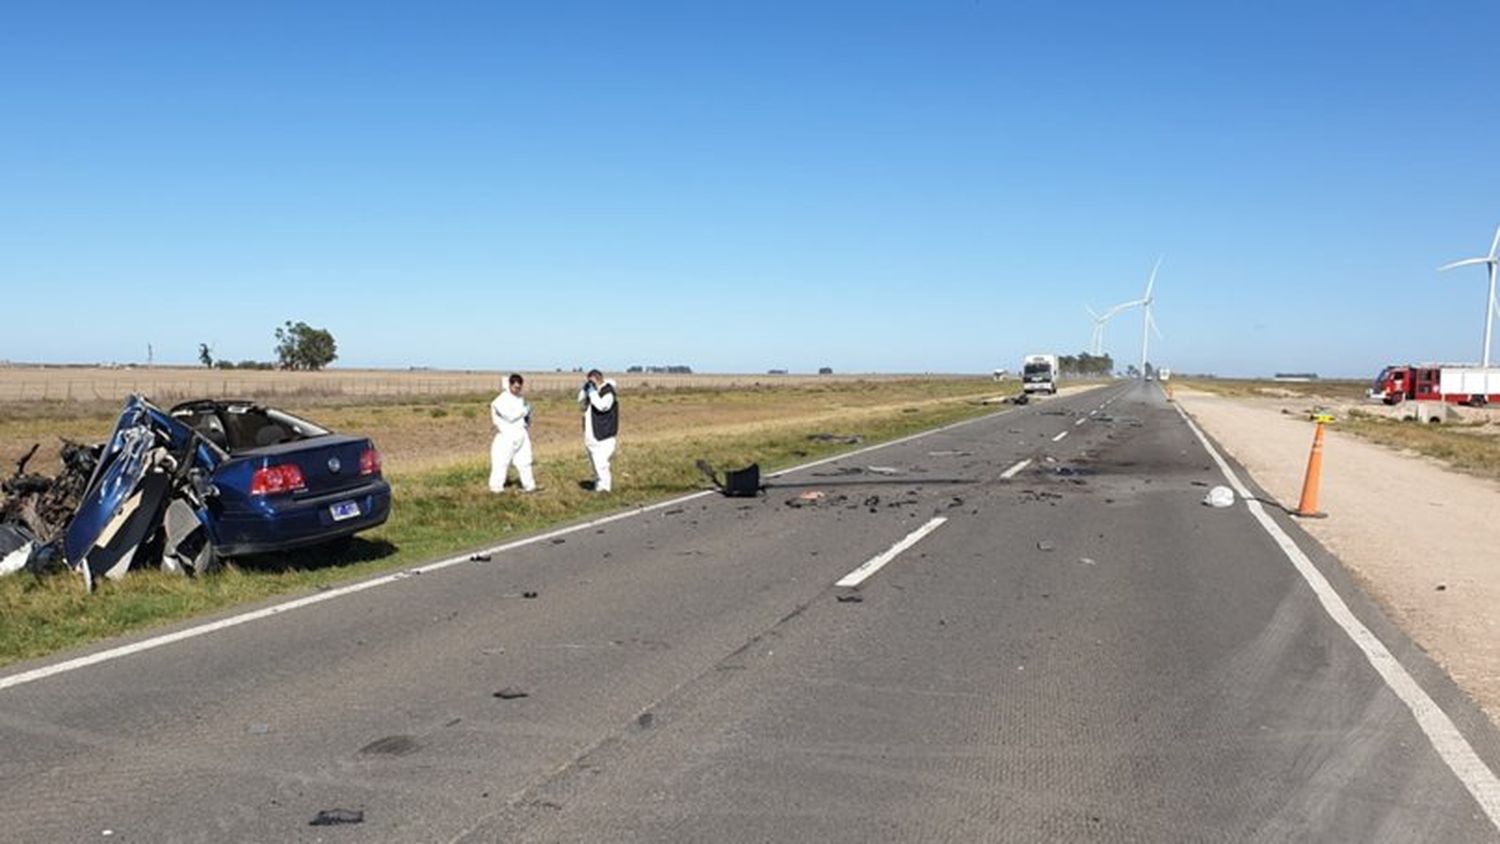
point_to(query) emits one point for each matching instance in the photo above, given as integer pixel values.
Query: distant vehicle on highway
(1039, 374)
(1471, 385)
(213, 479)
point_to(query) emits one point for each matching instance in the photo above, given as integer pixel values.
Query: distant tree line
(678, 369)
(1084, 363)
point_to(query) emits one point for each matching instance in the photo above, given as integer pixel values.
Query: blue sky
(935, 186)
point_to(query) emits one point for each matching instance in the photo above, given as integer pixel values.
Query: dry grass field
(169, 384)
(436, 457)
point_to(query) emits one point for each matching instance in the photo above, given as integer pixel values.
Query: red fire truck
(1471, 385)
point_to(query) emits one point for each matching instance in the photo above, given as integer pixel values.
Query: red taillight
(277, 479)
(369, 462)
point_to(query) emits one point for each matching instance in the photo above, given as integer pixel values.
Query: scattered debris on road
(333, 817)
(1219, 496)
(883, 470)
(479, 558)
(511, 693)
(842, 471)
(737, 483)
(1087, 561)
(1045, 545)
(837, 439)
(849, 599)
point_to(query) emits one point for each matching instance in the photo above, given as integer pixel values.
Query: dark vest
(606, 423)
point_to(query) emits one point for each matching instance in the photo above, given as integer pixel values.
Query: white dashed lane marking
(1015, 470)
(877, 562)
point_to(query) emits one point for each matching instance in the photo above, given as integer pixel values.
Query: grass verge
(1472, 448)
(1469, 447)
(445, 510)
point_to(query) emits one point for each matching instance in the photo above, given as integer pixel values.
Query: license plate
(344, 510)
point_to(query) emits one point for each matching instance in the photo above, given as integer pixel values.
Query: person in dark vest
(601, 425)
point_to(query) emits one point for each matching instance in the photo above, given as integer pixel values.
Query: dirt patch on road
(1420, 536)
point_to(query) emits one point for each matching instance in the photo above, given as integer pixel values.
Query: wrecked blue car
(210, 479)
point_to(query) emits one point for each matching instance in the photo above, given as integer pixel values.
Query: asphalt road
(1079, 650)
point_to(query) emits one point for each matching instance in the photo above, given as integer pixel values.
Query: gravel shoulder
(1420, 536)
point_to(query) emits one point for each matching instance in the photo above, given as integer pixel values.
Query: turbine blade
(1157, 331)
(1091, 312)
(1467, 262)
(1494, 247)
(1151, 282)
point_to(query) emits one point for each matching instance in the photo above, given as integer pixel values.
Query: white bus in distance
(1039, 374)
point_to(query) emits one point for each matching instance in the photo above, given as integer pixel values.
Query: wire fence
(164, 386)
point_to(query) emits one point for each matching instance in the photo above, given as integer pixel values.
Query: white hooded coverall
(600, 451)
(512, 417)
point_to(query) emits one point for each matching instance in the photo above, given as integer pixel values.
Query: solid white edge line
(1015, 470)
(1059, 437)
(1446, 739)
(878, 562)
(154, 642)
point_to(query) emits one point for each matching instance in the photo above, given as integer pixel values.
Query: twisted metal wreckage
(138, 500)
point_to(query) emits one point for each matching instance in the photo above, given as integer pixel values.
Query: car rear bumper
(288, 523)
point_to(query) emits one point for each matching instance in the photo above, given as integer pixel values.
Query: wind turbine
(1096, 342)
(1489, 312)
(1148, 323)
(1101, 320)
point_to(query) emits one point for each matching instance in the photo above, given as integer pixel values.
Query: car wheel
(210, 561)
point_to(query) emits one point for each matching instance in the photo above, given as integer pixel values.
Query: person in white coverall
(601, 425)
(511, 414)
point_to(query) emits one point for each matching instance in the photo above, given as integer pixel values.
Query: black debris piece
(529, 595)
(645, 720)
(479, 558)
(850, 599)
(840, 439)
(511, 693)
(737, 483)
(675, 511)
(559, 541)
(333, 817)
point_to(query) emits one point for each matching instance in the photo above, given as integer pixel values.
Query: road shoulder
(1418, 538)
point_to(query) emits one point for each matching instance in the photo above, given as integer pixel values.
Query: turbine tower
(1148, 323)
(1489, 312)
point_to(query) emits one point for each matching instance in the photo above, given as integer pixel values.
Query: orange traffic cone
(1308, 507)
